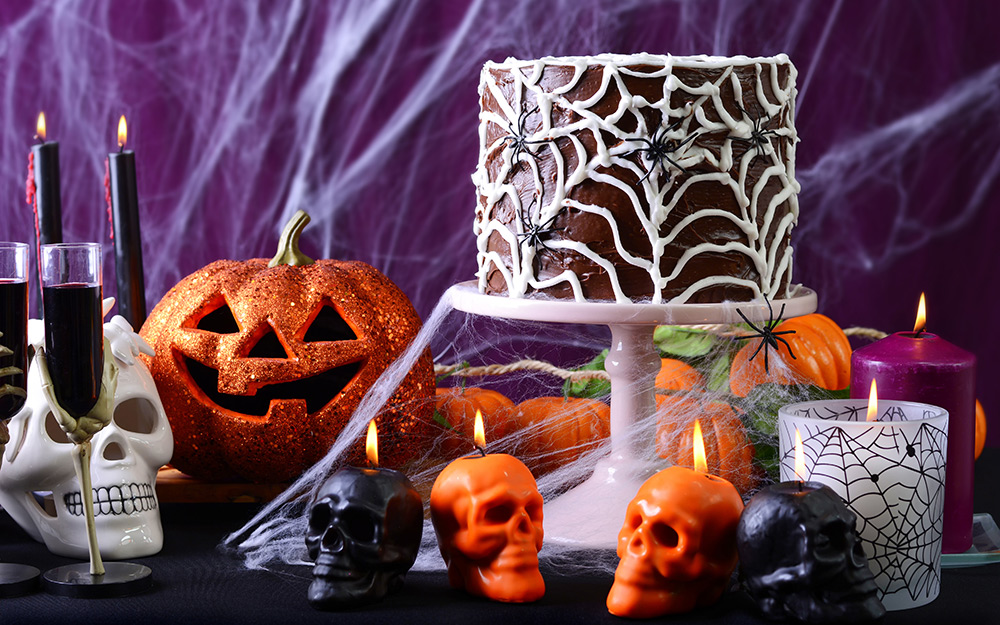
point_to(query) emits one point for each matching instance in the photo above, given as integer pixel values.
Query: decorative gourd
(554, 431)
(822, 357)
(728, 451)
(456, 411)
(676, 375)
(261, 364)
(980, 429)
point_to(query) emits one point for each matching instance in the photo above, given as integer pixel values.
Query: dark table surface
(195, 582)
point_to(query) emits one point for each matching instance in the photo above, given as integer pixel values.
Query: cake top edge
(642, 58)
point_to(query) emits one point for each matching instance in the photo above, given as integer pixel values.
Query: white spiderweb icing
(661, 185)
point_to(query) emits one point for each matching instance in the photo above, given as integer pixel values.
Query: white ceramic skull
(38, 486)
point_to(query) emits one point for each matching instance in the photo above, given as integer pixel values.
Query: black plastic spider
(536, 233)
(660, 148)
(758, 139)
(518, 140)
(766, 333)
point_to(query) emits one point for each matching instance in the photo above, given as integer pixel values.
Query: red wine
(13, 337)
(74, 344)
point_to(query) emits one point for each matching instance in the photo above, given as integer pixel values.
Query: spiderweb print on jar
(890, 471)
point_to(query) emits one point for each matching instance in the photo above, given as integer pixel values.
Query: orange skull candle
(487, 514)
(678, 543)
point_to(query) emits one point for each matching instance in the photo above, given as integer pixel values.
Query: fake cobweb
(744, 449)
(895, 477)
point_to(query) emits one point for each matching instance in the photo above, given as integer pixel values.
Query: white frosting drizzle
(774, 271)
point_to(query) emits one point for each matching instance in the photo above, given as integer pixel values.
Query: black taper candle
(128, 242)
(48, 195)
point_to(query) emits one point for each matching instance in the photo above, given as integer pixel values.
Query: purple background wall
(364, 113)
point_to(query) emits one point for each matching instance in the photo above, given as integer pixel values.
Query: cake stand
(580, 518)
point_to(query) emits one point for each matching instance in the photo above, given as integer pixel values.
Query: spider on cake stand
(632, 364)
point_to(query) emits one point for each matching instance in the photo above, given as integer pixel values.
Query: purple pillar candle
(923, 367)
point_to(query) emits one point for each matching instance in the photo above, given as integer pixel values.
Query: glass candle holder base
(17, 579)
(120, 579)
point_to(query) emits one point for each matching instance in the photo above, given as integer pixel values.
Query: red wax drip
(31, 198)
(107, 197)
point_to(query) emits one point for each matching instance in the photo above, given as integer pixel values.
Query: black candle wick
(481, 450)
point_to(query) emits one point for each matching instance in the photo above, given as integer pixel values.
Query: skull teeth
(114, 500)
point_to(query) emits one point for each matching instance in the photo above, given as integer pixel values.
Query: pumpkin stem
(288, 245)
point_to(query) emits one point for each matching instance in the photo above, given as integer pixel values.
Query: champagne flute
(74, 334)
(13, 327)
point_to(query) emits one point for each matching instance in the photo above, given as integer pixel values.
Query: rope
(868, 333)
(461, 370)
(520, 365)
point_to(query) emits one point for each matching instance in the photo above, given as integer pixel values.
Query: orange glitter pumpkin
(260, 365)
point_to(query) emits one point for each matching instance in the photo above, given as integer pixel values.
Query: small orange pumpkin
(980, 428)
(822, 357)
(677, 375)
(728, 451)
(456, 411)
(554, 431)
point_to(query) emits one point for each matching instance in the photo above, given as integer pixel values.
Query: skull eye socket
(136, 415)
(498, 514)
(319, 518)
(220, 319)
(665, 535)
(53, 430)
(358, 524)
(832, 537)
(329, 325)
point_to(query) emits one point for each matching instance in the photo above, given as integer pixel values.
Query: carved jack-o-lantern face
(260, 367)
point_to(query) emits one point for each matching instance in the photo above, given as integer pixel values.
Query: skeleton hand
(125, 343)
(4, 436)
(82, 429)
(9, 389)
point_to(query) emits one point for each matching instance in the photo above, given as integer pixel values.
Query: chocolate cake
(637, 178)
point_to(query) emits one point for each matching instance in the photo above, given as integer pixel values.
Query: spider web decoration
(891, 473)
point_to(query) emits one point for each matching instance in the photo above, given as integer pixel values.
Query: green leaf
(764, 400)
(440, 420)
(682, 341)
(718, 374)
(591, 389)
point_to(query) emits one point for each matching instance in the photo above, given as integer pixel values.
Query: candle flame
(800, 457)
(921, 322)
(122, 132)
(40, 126)
(700, 464)
(872, 404)
(371, 444)
(478, 434)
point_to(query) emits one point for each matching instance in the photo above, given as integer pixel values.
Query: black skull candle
(800, 557)
(364, 534)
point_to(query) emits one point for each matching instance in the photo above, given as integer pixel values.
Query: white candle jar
(891, 474)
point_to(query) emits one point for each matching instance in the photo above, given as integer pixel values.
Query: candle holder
(891, 473)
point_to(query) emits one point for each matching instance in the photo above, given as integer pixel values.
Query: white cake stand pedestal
(580, 517)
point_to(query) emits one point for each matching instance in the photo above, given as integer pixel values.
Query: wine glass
(13, 326)
(15, 579)
(74, 325)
